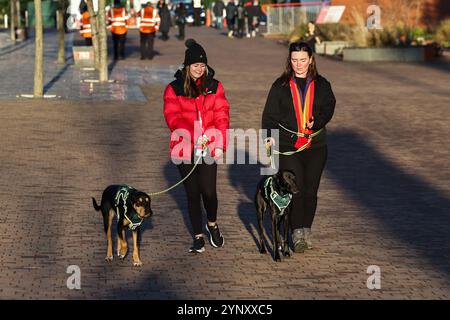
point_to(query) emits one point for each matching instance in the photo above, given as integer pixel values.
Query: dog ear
(147, 197)
(278, 175)
(137, 197)
(282, 176)
(289, 174)
(134, 197)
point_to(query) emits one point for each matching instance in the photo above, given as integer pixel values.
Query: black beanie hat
(194, 53)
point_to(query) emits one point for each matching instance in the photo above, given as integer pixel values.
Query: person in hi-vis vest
(85, 29)
(149, 24)
(117, 18)
(197, 5)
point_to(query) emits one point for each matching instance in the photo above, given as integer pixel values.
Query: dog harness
(281, 201)
(134, 220)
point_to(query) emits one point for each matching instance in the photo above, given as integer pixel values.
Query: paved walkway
(384, 197)
(72, 82)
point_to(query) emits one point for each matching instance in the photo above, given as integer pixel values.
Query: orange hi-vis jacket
(118, 20)
(149, 20)
(85, 30)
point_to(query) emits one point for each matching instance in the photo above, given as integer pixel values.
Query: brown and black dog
(269, 191)
(131, 207)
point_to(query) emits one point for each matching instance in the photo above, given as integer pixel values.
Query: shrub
(442, 35)
(333, 32)
(298, 33)
(326, 32)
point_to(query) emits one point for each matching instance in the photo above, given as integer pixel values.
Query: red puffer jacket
(190, 118)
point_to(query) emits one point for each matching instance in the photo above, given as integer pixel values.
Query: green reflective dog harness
(123, 193)
(281, 201)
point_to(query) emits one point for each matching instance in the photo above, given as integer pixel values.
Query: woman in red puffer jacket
(197, 113)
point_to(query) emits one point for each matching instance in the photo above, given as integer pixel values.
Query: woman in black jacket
(180, 19)
(166, 20)
(299, 105)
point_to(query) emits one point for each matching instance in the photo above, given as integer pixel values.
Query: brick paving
(384, 197)
(69, 81)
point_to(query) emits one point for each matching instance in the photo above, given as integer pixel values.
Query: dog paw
(109, 258)
(277, 257)
(122, 253)
(286, 254)
(137, 264)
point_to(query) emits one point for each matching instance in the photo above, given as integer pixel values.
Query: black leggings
(308, 166)
(119, 45)
(147, 43)
(202, 182)
(230, 23)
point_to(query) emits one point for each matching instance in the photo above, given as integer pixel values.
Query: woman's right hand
(269, 142)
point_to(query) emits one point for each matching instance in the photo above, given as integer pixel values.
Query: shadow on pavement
(244, 178)
(13, 48)
(115, 135)
(412, 210)
(409, 208)
(178, 194)
(152, 286)
(56, 78)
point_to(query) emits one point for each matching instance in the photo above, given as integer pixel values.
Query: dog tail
(96, 206)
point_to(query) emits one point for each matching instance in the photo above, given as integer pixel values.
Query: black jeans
(241, 25)
(200, 184)
(308, 166)
(230, 24)
(119, 45)
(164, 35)
(181, 27)
(250, 24)
(88, 41)
(197, 18)
(147, 42)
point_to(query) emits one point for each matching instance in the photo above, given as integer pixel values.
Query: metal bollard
(5, 20)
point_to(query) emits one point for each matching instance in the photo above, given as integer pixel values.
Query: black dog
(275, 192)
(131, 207)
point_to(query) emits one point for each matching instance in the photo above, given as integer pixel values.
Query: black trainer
(198, 246)
(215, 237)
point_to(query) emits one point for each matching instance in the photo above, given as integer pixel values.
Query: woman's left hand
(310, 123)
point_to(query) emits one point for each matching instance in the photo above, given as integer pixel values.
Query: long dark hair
(191, 89)
(289, 72)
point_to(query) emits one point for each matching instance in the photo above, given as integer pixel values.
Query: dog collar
(281, 201)
(135, 221)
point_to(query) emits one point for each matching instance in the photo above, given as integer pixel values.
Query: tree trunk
(418, 17)
(94, 30)
(408, 9)
(19, 20)
(103, 41)
(39, 56)
(61, 48)
(12, 20)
